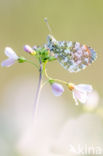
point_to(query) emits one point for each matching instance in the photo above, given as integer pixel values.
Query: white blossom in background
(54, 132)
(92, 101)
(12, 57)
(78, 134)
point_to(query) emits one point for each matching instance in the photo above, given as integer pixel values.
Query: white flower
(80, 92)
(12, 57)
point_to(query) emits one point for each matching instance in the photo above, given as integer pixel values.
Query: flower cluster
(80, 92)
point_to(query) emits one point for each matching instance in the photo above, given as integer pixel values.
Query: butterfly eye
(49, 38)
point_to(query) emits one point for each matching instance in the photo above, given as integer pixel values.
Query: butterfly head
(51, 39)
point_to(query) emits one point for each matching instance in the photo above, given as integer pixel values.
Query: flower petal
(85, 87)
(8, 62)
(80, 95)
(75, 99)
(10, 53)
(57, 89)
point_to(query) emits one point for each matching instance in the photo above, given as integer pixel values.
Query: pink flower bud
(28, 49)
(57, 89)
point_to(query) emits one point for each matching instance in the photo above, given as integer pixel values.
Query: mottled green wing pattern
(73, 56)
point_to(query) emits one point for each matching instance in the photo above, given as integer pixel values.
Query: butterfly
(73, 56)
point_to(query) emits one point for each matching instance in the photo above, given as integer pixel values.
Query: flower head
(80, 92)
(12, 57)
(57, 89)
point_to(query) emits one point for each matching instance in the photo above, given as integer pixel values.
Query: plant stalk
(35, 112)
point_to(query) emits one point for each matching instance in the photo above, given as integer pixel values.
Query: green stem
(28, 61)
(50, 78)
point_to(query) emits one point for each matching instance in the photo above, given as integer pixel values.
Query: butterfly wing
(72, 55)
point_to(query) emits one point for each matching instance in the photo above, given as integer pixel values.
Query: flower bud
(29, 50)
(71, 86)
(57, 89)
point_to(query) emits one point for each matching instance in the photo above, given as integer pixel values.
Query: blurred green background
(22, 22)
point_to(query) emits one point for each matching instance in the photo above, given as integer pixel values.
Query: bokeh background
(59, 123)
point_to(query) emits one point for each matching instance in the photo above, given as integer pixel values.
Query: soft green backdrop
(22, 22)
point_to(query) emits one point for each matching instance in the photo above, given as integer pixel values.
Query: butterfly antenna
(49, 28)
